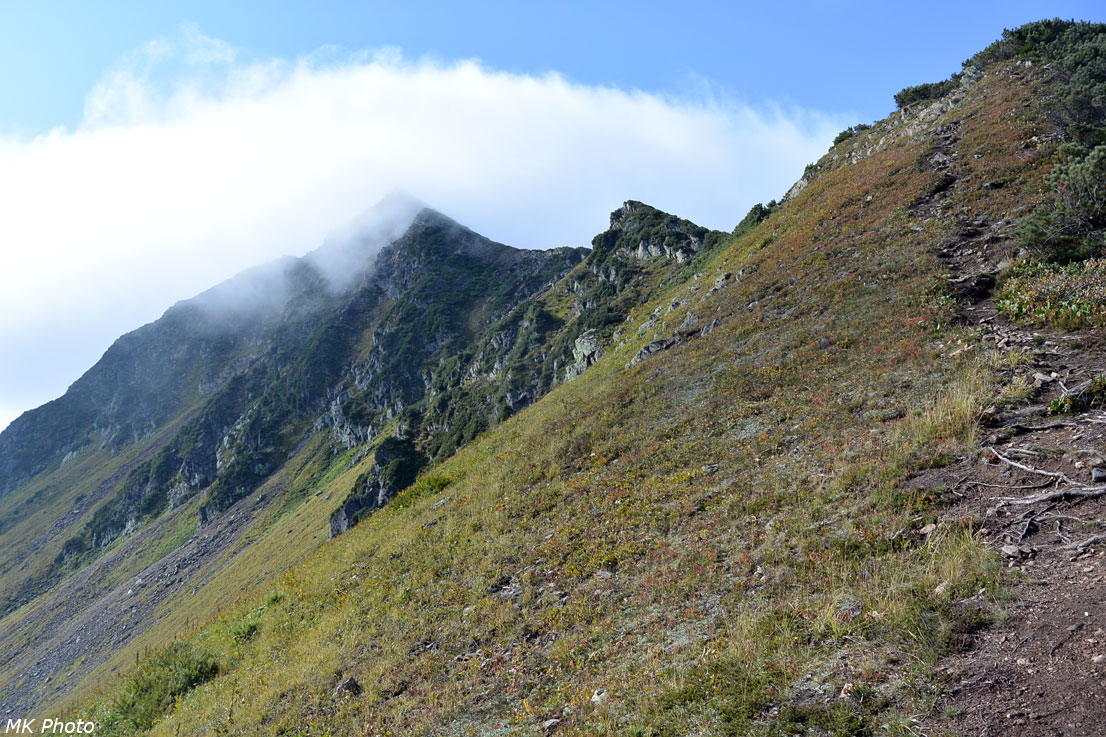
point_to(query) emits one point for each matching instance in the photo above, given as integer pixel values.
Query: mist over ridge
(195, 162)
(334, 267)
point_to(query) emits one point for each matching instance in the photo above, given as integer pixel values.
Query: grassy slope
(721, 536)
(34, 540)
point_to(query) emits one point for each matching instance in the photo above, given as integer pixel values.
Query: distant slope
(224, 402)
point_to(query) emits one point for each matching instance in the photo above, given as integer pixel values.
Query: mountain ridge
(442, 335)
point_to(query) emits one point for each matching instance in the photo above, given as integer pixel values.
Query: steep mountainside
(683, 483)
(440, 335)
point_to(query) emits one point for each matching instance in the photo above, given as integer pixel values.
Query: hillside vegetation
(667, 486)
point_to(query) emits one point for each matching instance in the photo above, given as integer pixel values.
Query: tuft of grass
(155, 686)
(244, 629)
(952, 415)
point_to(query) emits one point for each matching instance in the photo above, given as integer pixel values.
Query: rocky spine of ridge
(544, 339)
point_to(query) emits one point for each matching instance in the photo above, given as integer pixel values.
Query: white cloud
(192, 164)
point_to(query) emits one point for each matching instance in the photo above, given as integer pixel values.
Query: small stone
(928, 529)
(1023, 661)
(845, 691)
(1098, 475)
(1097, 659)
(604, 574)
(1011, 551)
(549, 724)
(350, 687)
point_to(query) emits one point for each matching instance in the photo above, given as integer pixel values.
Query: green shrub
(1066, 405)
(757, 214)
(849, 132)
(154, 687)
(1076, 51)
(244, 629)
(1073, 227)
(1072, 296)
(1093, 396)
(928, 91)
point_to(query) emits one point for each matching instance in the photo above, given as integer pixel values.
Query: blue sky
(832, 55)
(149, 150)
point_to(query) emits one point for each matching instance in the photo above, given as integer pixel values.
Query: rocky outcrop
(585, 351)
(395, 464)
(443, 333)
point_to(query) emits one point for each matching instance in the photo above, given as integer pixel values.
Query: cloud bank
(193, 162)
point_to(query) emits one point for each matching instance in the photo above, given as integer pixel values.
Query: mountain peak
(630, 210)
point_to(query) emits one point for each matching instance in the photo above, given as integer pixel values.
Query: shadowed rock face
(395, 463)
(268, 370)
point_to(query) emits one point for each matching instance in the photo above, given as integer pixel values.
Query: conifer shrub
(1073, 227)
(1076, 52)
(757, 214)
(849, 132)
(928, 91)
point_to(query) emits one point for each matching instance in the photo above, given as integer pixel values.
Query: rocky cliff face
(534, 337)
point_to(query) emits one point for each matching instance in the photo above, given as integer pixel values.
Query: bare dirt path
(1038, 487)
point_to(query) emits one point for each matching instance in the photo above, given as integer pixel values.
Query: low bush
(757, 214)
(1074, 226)
(927, 91)
(154, 687)
(849, 132)
(1074, 50)
(1071, 295)
(246, 628)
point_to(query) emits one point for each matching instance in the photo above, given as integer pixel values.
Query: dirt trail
(1038, 485)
